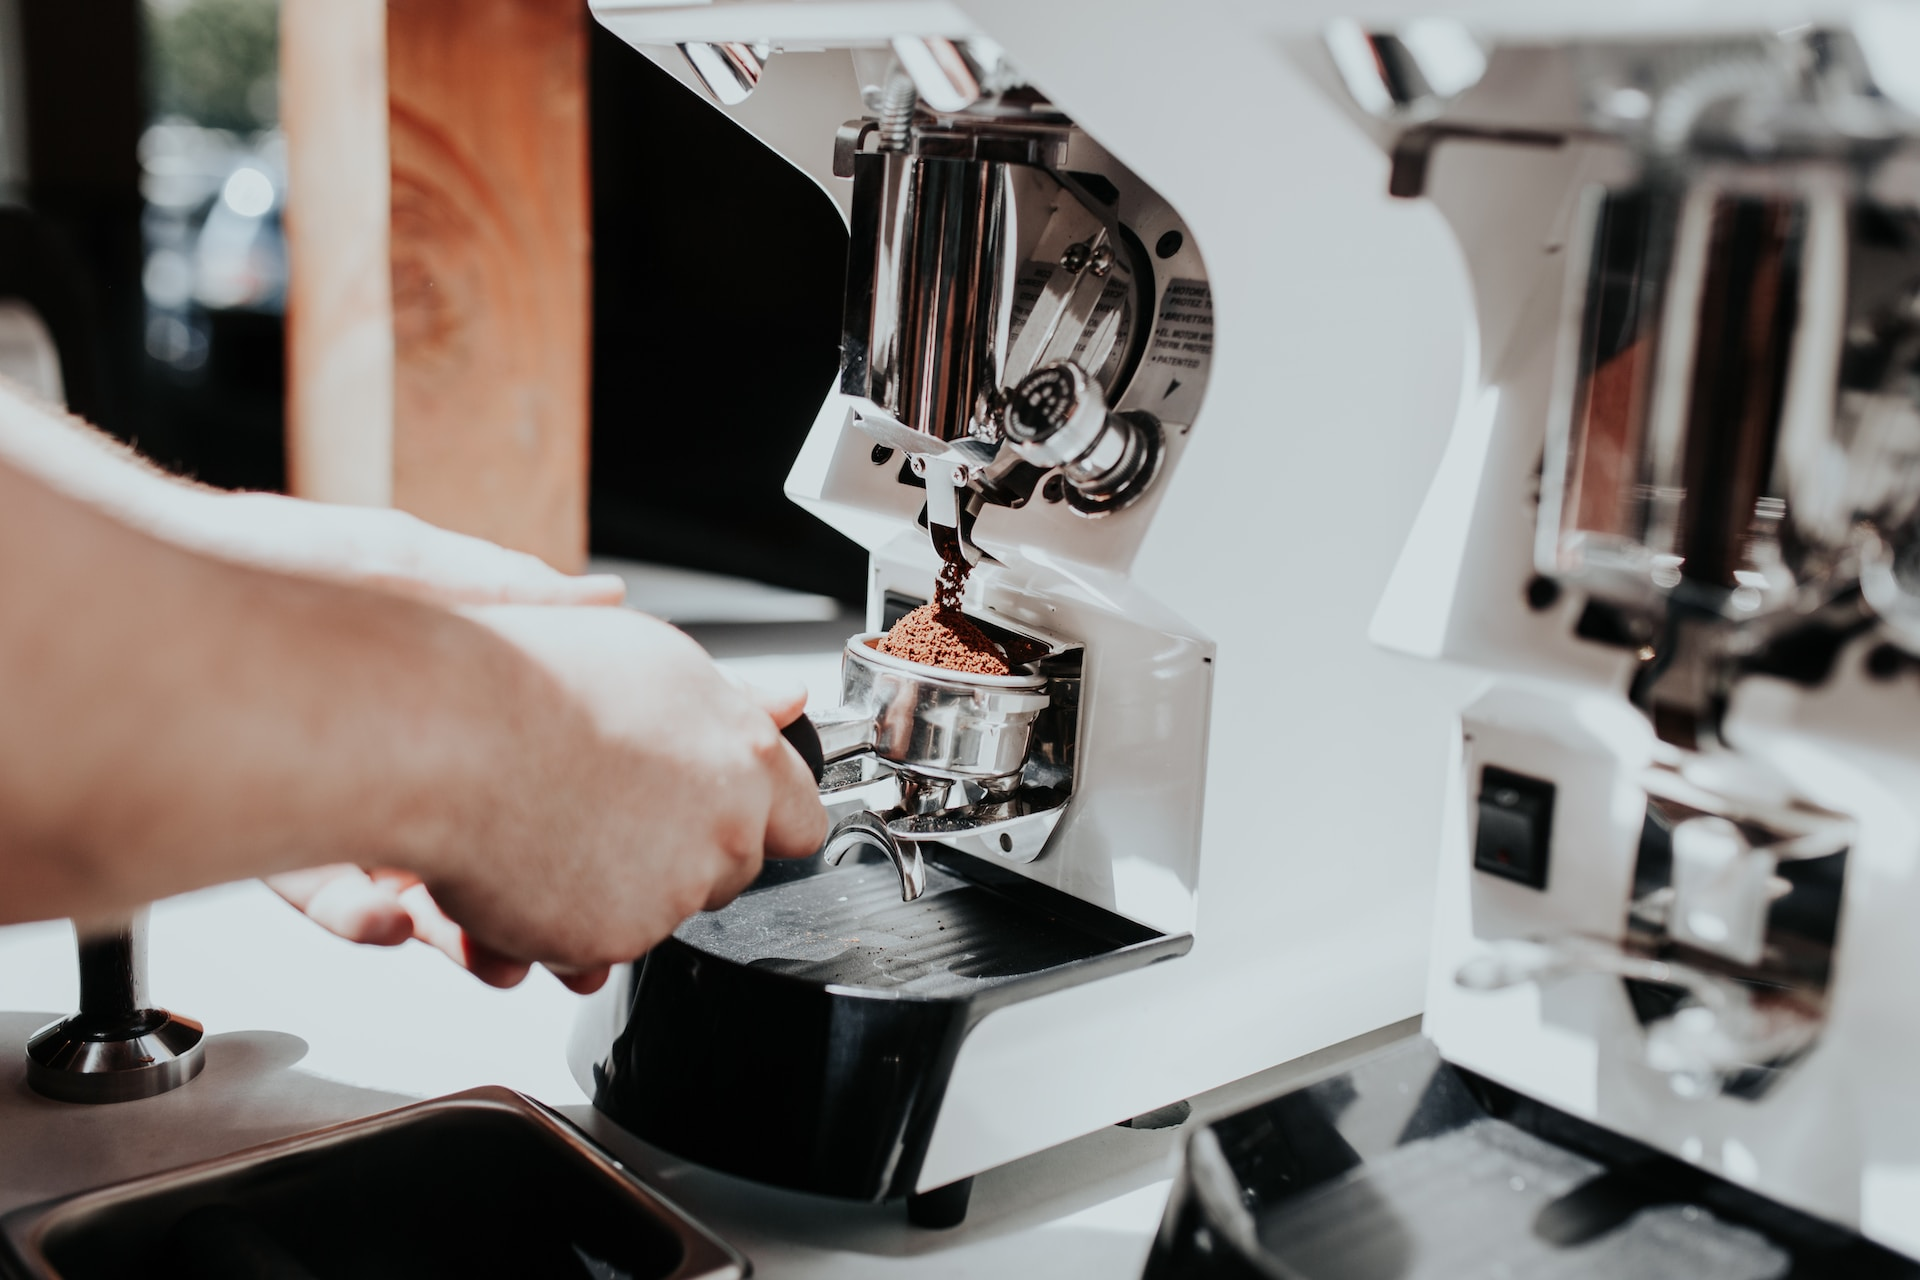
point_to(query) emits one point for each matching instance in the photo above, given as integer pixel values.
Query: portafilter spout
(837, 735)
(867, 829)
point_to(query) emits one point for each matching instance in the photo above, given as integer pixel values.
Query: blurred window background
(214, 279)
(143, 274)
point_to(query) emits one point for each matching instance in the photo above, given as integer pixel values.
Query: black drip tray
(804, 1034)
(1404, 1167)
(850, 928)
(484, 1183)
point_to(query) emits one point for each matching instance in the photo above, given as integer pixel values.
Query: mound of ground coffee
(944, 638)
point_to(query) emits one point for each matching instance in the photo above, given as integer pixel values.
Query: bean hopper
(1001, 946)
(1680, 867)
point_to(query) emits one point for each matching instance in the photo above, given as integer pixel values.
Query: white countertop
(305, 1030)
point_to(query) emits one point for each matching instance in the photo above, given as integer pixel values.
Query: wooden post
(483, 183)
(333, 105)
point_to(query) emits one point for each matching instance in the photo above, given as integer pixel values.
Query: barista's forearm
(81, 461)
(172, 721)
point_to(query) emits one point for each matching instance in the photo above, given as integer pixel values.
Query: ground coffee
(938, 634)
(950, 588)
(944, 638)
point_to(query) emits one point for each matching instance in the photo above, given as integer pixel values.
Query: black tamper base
(77, 1060)
(117, 1048)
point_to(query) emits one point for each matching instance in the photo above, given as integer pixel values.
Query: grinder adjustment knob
(1057, 417)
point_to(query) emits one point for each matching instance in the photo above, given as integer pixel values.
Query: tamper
(118, 1047)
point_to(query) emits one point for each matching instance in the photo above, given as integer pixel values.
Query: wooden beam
(333, 106)
(491, 269)
(486, 222)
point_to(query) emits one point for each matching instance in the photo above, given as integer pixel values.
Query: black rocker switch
(1516, 824)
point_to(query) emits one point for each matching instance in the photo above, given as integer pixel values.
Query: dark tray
(1407, 1168)
(483, 1183)
(804, 1035)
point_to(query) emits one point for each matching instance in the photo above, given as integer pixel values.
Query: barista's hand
(678, 787)
(387, 908)
(660, 802)
(387, 550)
(377, 547)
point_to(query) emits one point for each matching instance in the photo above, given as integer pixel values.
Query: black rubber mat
(848, 926)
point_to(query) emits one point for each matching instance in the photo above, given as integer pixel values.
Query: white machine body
(1250, 769)
(1612, 934)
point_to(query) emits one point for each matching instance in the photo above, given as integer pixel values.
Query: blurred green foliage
(215, 62)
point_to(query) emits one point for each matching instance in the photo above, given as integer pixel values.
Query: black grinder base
(804, 1035)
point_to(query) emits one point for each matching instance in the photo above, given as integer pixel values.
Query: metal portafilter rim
(913, 691)
(865, 648)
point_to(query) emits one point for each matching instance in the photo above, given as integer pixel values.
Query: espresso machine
(1141, 862)
(1676, 531)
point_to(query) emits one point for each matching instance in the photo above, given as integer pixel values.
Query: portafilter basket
(930, 721)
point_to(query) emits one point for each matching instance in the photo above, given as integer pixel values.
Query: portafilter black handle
(805, 739)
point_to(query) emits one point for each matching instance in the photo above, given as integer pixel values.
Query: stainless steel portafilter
(981, 762)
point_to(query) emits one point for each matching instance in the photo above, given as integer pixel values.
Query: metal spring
(896, 112)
